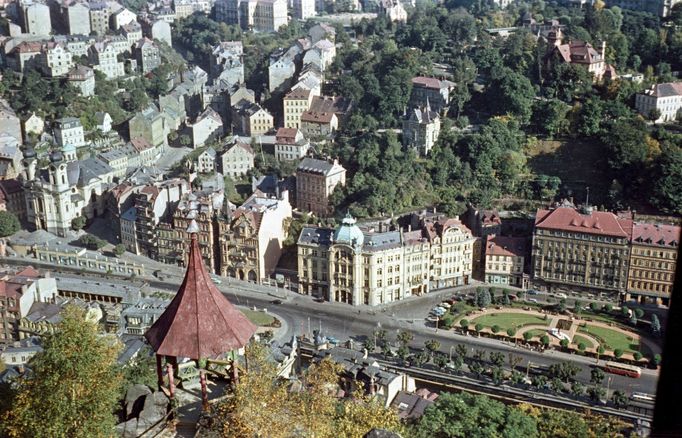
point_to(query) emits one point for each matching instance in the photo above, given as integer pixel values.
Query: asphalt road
(303, 315)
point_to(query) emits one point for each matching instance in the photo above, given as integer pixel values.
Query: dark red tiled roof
(598, 222)
(200, 322)
(506, 246)
(657, 235)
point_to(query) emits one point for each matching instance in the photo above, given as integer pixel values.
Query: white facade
(105, 59)
(77, 18)
(56, 60)
(37, 19)
(237, 160)
(304, 9)
(69, 132)
(666, 98)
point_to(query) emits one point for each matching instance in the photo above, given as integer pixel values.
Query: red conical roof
(200, 322)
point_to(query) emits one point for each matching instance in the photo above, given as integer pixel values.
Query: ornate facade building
(584, 249)
(357, 267)
(653, 259)
(66, 189)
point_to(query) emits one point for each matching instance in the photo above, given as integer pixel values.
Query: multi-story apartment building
(282, 68)
(147, 54)
(421, 127)
(653, 259)
(56, 60)
(150, 125)
(83, 78)
(315, 182)
(104, 58)
(76, 16)
(236, 159)
(290, 144)
(251, 119)
(505, 261)
(304, 9)
(295, 103)
(154, 203)
(99, 17)
(227, 62)
(581, 249)
(664, 98)
(579, 53)
(202, 207)
(36, 18)
(252, 236)
(258, 15)
(358, 267)
(69, 132)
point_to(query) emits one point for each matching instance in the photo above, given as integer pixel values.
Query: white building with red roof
(579, 53)
(664, 98)
(505, 260)
(431, 92)
(586, 249)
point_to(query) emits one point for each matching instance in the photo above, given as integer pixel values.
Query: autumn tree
(74, 388)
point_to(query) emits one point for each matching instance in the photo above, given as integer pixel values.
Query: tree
(432, 346)
(511, 332)
(403, 352)
(513, 94)
(478, 327)
(380, 336)
(657, 359)
(447, 320)
(527, 336)
(370, 345)
(483, 298)
(9, 224)
(625, 311)
(618, 353)
(404, 338)
(440, 360)
(464, 323)
(639, 313)
(626, 143)
(557, 385)
(619, 399)
(667, 188)
(185, 140)
(564, 343)
(545, 340)
(496, 358)
(577, 389)
(495, 329)
(578, 307)
(73, 390)
(608, 308)
(461, 350)
(119, 249)
(565, 371)
(466, 415)
(637, 356)
(141, 370)
(601, 350)
(594, 307)
(633, 320)
(582, 347)
(596, 376)
(78, 223)
(597, 393)
(91, 242)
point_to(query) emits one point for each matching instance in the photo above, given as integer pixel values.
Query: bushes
(91, 242)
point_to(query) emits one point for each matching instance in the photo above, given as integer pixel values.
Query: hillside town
(417, 204)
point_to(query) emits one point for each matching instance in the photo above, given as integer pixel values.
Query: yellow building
(581, 249)
(354, 267)
(295, 103)
(653, 259)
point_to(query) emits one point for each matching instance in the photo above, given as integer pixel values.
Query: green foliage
(657, 359)
(74, 388)
(564, 343)
(404, 338)
(9, 224)
(565, 371)
(495, 329)
(141, 370)
(119, 249)
(596, 376)
(466, 415)
(447, 321)
(667, 187)
(655, 324)
(91, 242)
(511, 332)
(544, 339)
(483, 298)
(527, 336)
(432, 345)
(478, 328)
(620, 400)
(512, 93)
(78, 223)
(637, 356)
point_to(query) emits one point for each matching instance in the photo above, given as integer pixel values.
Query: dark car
(276, 301)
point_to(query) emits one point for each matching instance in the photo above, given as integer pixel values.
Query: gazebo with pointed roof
(200, 322)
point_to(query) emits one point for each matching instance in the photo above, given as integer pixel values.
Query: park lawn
(614, 339)
(509, 320)
(261, 319)
(536, 333)
(577, 339)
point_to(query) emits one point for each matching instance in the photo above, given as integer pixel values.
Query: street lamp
(528, 368)
(450, 355)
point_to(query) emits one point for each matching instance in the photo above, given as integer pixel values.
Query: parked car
(216, 280)
(332, 340)
(532, 292)
(562, 295)
(445, 305)
(533, 300)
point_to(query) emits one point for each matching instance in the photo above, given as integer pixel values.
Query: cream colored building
(504, 261)
(653, 259)
(295, 103)
(358, 267)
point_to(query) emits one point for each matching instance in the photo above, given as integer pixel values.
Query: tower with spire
(200, 322)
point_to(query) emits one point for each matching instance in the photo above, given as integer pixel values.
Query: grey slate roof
(316, 236)
(312, 165)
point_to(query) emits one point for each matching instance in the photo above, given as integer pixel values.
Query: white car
(445, 305)
(562, 295)
(216, 280)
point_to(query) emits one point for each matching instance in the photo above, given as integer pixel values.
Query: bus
(625, 370)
